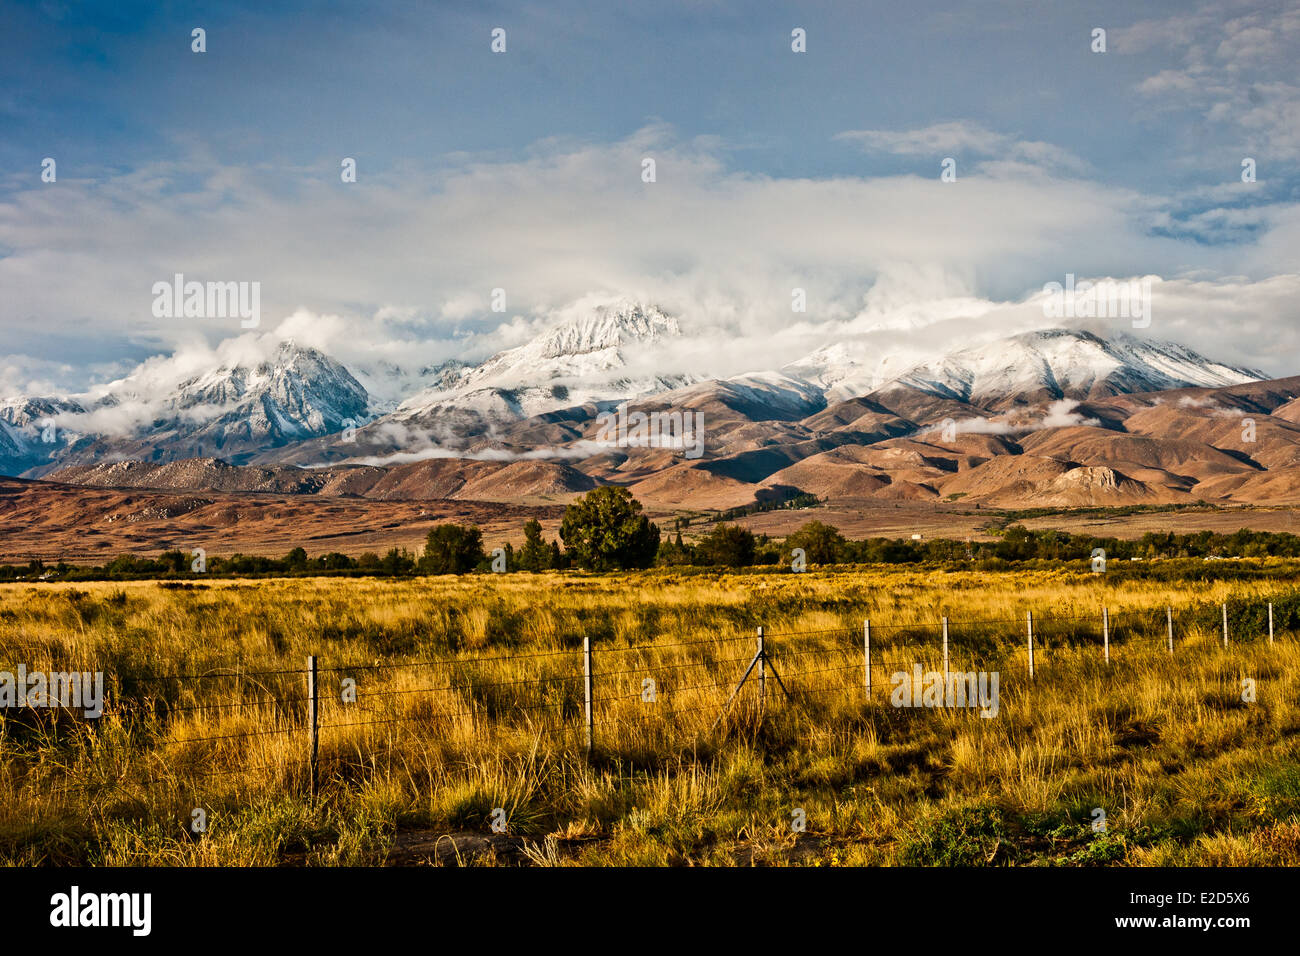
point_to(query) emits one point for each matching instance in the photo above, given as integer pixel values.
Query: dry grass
(1186, 772)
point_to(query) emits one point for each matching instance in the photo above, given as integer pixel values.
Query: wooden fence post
(945, 651)
(1105, 632)
(586, 693)
(1169, 624)
(1225, 625)
(1029, 626)
(313, 722)
(762, 672)
(1270, 622)
(866, 649)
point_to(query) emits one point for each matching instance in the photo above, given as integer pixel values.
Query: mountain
(29, 433)
(235, 410)
(596, 355)
(1055, 417)
(1052, 364)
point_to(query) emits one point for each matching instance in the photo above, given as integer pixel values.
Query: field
(469, 711)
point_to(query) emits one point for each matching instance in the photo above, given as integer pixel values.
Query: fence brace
(763, 662)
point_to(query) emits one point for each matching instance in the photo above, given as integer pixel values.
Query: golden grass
(470, 699)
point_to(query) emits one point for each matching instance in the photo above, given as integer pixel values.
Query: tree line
(607, 530)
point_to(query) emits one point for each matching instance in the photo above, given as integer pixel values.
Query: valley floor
(90, 525)
(469, 712)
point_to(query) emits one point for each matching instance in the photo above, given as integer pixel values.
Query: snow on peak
(594, 355)
(1067, 363)
(607, 327)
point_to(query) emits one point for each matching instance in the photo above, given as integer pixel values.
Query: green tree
(397, 561)
(605, 530)
(821, 543)
(534, 555)
(453, 549)
(727, 544)
(177, 562)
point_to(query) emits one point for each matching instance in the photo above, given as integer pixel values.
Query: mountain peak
(1059, 363)
(580, 359)
(612, 326)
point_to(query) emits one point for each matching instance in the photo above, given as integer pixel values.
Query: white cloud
(1007, 156)
(1059, 414)
(1228, 63)
(393, 274)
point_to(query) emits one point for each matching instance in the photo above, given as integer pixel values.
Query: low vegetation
(606, 530)
(469, 699)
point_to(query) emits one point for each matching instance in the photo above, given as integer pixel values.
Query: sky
(523, 171)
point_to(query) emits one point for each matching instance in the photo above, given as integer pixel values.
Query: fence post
(866, 647)
(586, 693)
(1029, 626)
(1225, 625)
(762, 672)
(1270, 622)
(313, 721)
(1105, 632)
(1169, 622)
(945, 651)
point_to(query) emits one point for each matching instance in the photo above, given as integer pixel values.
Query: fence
(665, 691)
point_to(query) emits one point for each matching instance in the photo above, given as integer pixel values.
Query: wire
(476, 687)
(247, 703)
(442, 661)
(651, 669)
(658, 647)
(251, 733)
(210, 676)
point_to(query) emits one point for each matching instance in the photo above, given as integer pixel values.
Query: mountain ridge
(540, 402)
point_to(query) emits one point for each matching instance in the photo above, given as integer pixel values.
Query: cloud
(1059, 414)
(1228, 69)
(1007, 155)
(575, 452)
(393, 275)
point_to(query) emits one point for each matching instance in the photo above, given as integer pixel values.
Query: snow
(1059, 361)
(583, 360)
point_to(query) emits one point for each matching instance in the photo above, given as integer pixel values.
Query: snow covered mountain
(234, 410)
(29, 436)
(296, 403)
(597, 355)
(1062, 363)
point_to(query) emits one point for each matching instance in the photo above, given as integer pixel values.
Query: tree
(177, 562)
(534, 555)
(397, 561)
(821, 543)
(296, 559)
(727, 544)
(452, 549)
(605, 530)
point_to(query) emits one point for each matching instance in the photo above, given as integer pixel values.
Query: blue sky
(112, 86)
(521, 170)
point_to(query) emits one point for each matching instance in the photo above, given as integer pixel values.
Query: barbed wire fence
(667, 691)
